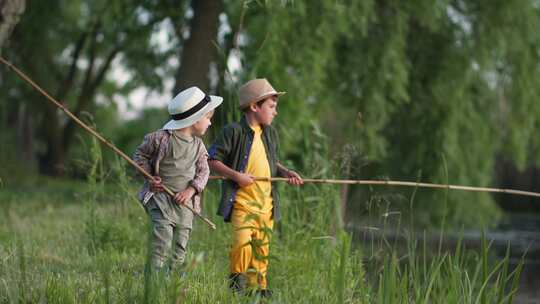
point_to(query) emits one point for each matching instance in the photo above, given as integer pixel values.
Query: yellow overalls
(252, 219)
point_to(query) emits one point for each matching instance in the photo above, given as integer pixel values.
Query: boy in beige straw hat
(242, 151)
(177, 158)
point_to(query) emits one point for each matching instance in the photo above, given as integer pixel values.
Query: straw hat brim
(262, 97)
(215, 101)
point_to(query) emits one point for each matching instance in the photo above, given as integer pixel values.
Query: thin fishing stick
(100, 138)
(394, 183)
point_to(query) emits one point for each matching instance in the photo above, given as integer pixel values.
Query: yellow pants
(251, 244)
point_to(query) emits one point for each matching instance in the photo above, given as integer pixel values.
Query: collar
(245, 125)
(183, 138)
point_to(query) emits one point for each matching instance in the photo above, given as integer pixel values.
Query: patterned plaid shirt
(152, 150)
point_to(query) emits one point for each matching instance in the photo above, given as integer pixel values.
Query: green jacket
(232, 148)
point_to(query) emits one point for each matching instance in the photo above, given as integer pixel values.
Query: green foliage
(396, 87)
(407, 84)
(69, 49)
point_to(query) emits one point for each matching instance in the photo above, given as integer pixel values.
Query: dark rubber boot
(265, 293)
(261, 293)
(237, 282)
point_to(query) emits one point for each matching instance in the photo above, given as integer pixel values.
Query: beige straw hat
(256, 90)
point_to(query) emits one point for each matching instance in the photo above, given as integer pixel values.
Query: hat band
(193, 110)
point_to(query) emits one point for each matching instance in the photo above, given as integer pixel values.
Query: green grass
(86, 242)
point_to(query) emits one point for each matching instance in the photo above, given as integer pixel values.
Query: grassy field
(86, 242)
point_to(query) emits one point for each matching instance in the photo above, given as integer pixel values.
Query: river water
(520, 231)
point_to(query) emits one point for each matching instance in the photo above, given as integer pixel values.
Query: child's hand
(294, 178)
(156, 185)
(182, 197)
(244, 180)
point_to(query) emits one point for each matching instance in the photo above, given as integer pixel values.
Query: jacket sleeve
(202, 170)
(144, 153)
(221, 148)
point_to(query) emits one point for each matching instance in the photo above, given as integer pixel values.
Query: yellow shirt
(257, 197)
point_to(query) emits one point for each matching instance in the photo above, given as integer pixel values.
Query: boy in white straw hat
(242, 151)
(177, 158)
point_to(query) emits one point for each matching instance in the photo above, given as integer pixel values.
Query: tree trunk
(25, 135)
(52, 161)
(60, 135)
(10, 11)
(199, 49)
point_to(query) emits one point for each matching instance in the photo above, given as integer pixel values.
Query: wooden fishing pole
(99, 137)
(394, 183)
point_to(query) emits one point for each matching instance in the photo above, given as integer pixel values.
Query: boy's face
(266, 111)
(200, 127)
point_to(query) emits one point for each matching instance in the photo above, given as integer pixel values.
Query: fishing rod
(100, 138)
(394, 183)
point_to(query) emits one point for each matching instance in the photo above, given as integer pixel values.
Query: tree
(199, 50)
(10, 12)
(434, 90)
(69, 48)
(76, 43)
(435, 87)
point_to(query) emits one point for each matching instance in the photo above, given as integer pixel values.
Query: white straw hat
(189, 106)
